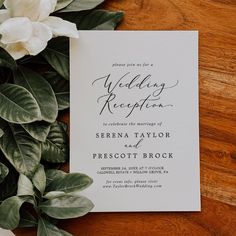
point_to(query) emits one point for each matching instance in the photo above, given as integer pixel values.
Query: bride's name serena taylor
(135, 135)
(111, 101)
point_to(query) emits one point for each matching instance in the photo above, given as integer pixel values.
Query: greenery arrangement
(33, 144)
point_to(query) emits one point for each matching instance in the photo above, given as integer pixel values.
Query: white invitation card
(134, 119)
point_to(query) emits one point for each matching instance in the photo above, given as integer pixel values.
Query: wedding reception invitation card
(134, 119)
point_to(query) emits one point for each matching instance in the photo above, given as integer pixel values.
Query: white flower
(26, 27)
(4, 232)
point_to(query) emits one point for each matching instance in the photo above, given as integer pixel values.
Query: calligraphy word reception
(34, 89)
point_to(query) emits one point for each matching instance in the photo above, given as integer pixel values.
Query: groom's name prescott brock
(134, 155)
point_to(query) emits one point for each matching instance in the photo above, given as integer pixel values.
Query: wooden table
(216, 22)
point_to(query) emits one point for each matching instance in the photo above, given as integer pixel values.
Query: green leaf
(64, 125)
(54, 194)
(17, 105)
(62, 4)
(1, 2)
(60, 42)
(39, 179)
(1, 133)
(26, 219)
(25, 186)
(52, 174)
(9, 212)
(55, 149)
(21, 150)
(45, 228)
(30, 60)
(6, 59)
(9, 184)
(3, 172)
(5, 75)
(65, 233)
(58, 61)
(81, 5)
(38, 130)
(110, 24)
(41, 90)
(66, 207)
(61, 89)
(70, 183)
(95, 19)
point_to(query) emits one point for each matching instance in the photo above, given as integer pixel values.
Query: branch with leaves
(33, 144)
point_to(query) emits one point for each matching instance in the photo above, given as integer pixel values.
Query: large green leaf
(5, 58)
(62, 4)
(3, 172)
(61, 89)
(1, 2)
(81, 5)
(25, 186)
(45, 228)
(58, 60)
(17, 105)
(52, 174)
(95, 19)
(39, 179)
(9, 212)
(41, 90)
(55, 149)
(27, 219)
(21, 150)
(70, 183)
(39, 130)
(66, 207)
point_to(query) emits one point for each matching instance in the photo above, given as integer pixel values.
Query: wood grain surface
(216, 22)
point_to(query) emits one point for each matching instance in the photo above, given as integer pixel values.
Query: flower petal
(16, 50)
(61, 27)
(46, 7)
(17, 8)
(18, 29)
(11, 4)
(4, 15)
(35, 10)
(40, 37)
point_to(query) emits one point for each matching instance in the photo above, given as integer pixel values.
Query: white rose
(26, 27)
